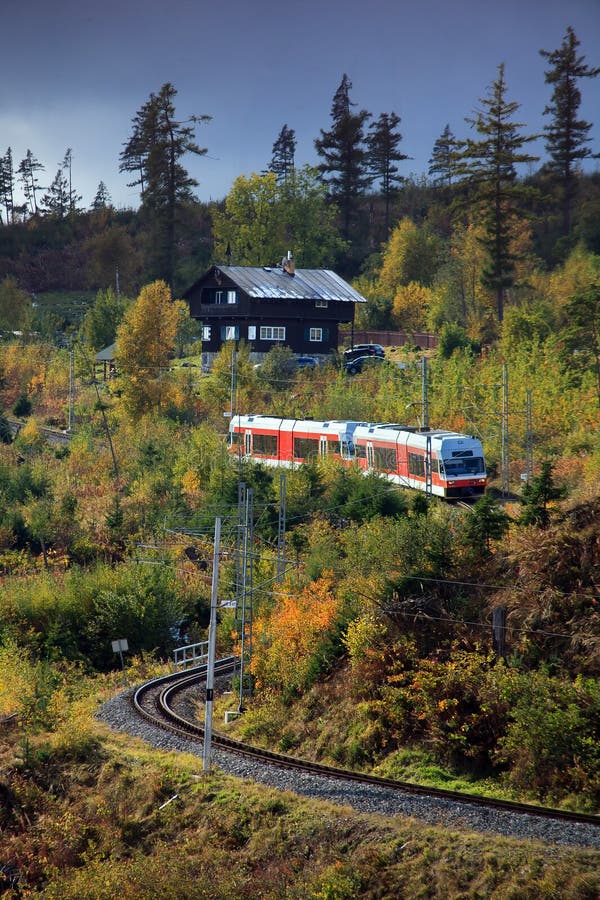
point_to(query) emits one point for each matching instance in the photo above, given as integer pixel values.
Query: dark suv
(359, 350)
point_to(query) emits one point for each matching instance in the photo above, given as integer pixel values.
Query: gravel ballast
(119, 715)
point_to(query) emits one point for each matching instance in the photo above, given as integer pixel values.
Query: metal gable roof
(306, 284)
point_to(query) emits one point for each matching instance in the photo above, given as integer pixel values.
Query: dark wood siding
(298, 317)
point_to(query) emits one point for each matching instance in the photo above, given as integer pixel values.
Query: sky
(73, 74)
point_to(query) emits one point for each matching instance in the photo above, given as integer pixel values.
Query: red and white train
(444, 463)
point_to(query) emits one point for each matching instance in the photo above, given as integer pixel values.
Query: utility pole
(245, 613)
(528, 437)
(505, 456)
(280, 569)
(212, 642)
(71, 388)
(424, 396)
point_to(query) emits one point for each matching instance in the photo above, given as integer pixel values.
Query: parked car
(359, 350)
(306, 362)
(354, 366)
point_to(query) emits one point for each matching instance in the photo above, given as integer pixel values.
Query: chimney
(288, 263)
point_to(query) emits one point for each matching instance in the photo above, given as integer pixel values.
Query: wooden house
(298, 308)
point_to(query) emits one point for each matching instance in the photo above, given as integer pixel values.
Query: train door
(248, 443)
(370, 456)
(322, 446)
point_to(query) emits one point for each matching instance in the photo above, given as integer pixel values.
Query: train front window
(465, 465)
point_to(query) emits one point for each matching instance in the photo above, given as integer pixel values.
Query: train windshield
(462, 465)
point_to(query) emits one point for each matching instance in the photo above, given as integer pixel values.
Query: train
(442, 463)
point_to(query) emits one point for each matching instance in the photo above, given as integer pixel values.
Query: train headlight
(450, 483)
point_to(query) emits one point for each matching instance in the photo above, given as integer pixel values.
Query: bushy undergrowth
(98, 825)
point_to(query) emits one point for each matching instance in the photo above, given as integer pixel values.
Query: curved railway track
(52, 435)
(156, 700)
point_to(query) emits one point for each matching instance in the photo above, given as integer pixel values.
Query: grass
(97, 827)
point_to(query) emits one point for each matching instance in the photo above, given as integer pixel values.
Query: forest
(376, 652)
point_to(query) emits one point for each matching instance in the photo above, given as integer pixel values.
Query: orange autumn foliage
(288, 643)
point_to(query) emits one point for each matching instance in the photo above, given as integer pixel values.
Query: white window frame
(272, 332)
(315, 335)
(251, 332)
(206, 332)
(321, 304)
(232, 297)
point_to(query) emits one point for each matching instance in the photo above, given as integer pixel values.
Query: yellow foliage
(145, 342)
(411, 305)
(17, 679)
(190, 485)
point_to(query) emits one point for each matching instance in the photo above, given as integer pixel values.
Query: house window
(251, 332)
(206, 332)
(230, 332)
(272, 333)
(321, 304)
(215, 296)
(315, 334)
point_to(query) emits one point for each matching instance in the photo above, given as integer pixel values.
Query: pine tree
(7, 185)
(345, 160)
(536, 496)
(445, 156)
(284, 148)
(383, 142)
(566, 135)
(158, 142)
(56, 202)
(102, 200)
(67, 167)
(27, 175)
(489, 167)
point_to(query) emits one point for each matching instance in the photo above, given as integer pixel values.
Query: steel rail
(163, 691)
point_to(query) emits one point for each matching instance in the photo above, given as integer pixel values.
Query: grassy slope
(84, 820)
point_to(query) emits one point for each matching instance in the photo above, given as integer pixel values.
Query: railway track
(163, 702)
(52, 435)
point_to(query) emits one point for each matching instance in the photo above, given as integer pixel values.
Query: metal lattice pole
(529, 438)
(424, 396)
(281, 526)
(212, 642)
(246, 597)
(505, 454)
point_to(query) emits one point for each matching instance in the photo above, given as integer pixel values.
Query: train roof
(416, 436)
(306, 425)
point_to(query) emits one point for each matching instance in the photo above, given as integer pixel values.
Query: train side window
(306, 448)
(265, 444)
(416, 464)
(360, 451)
(385, 459)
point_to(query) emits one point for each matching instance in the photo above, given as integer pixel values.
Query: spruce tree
(566, 135)
(445, 157)
(345, 159)
(154, 152)
(56, 202)
(27, 175)
(102, 200)
(284, 148)
(7, 186)
(383, 143)
(489, 166)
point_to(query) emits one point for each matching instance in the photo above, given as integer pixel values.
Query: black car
(359, 350)
(354, 366)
